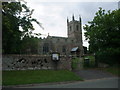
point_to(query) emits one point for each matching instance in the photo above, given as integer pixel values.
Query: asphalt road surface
(97, 83)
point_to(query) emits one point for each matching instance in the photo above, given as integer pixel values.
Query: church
(64, 45)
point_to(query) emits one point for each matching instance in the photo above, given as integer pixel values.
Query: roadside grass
(112, 70)
(115, 69)
(37, 76)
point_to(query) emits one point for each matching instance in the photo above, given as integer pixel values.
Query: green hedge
(109, 57)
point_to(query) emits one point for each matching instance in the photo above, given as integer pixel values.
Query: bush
(91, 61)
(108, 57)
(75, 62)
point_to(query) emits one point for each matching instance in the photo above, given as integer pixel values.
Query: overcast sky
(53, 15)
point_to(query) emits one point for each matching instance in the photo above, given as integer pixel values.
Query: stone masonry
(31, 62)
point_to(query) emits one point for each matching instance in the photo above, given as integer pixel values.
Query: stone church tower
(64, 45)
(74, 28)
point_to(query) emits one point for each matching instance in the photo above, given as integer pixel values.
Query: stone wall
(26, 62)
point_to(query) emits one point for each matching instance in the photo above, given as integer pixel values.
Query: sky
(53, 15)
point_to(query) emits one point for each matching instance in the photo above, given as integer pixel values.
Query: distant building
(64, 45)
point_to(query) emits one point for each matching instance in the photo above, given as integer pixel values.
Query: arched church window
(63, 49)
(45, 48)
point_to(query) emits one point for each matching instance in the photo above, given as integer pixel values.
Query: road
(96, 83)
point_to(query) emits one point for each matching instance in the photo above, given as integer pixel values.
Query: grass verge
(37, 76)
(113, 70)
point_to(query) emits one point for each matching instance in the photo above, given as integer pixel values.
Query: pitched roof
(58, 37)
(74, 49)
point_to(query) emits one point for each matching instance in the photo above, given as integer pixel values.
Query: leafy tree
(103, 33)
(15, 16)
(30, 45)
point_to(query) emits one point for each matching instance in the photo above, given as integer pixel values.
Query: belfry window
(77, 27)
(70, 28)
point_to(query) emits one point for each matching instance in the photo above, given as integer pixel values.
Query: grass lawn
(37, 76)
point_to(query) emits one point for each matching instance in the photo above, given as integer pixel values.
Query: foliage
(91, 61)
(107, 57)
(37, 76)
(75, 62)
(91, 57)
(30, 45)
(15, 16)
(103, 34)
(113, 70)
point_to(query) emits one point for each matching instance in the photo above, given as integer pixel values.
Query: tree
(30, 45)
(103, 33)
(15, 16)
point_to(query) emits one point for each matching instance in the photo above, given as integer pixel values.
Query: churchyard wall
(32, 62)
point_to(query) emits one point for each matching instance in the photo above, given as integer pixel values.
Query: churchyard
(28, 59)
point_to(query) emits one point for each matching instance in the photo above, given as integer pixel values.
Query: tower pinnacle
(67, 20)
(79, 18)
(73, 17)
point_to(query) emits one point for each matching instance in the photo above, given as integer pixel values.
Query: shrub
(91, 62)
(110, 57)
(75, 62)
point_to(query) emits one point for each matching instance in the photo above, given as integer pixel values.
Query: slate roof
(74, 49)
